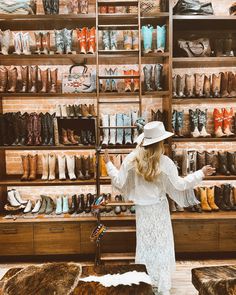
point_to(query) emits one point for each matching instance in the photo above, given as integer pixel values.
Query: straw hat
(153, 132)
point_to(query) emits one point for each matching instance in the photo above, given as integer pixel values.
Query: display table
(216, 280)
(66, 279)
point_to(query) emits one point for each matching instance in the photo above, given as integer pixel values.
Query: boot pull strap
(85, 68)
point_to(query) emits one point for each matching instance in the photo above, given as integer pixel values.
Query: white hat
(153, 132)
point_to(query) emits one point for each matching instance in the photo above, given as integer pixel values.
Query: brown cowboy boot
(3, 79)
(216, 81)
(25, 166)
(38, 42)
(71, 138)
(85, 167)
(189, 82)
(224, 84)
(211, 199)
(201, 160)
(33, 79)
(30, 134)
(53, 80)
(180, 85)
(85, 111)
(199, 84)
(232, 84)
(78, 162)
(12, 79)
(37, 129)
(44, 80)
(64, 137)
(33, 166)
(92, 166)
(92, 111)
(24, 76)
(207, 86)
(46, 43)
(128, 81)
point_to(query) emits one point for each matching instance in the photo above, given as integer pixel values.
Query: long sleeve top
(135, 188)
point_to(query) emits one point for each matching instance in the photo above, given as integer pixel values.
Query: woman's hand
(106, 156)
(208, 170)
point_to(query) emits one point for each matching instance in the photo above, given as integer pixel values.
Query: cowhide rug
(45, 279)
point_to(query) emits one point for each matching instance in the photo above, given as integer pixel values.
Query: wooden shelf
(47, 147)
(44, 17)
(203, 17)
(155, 55)
(123, 229)
(155, 16)
(117, 18)
(48, 95)
(188, 62)
(130, 26)
(117, 256)
(199, 100)
(39, 182)
(153, 94)
(203, 139)
(221, 177)
(118, 2)
(184, 216)
(117, 53)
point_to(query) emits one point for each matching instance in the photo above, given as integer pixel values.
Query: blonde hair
(147, 160)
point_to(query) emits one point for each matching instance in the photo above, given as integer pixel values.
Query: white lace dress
(155, 244)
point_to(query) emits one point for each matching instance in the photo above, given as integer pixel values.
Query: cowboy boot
(33, 71)
(44, 80)
(53, 80)
(93, 83)
(111, 9)
(33, 166)
(59, 41)
(174, 86)
(106, 40)
(228, 47)
(135, 40)
(202, 123)
(179, 123)
(85, 111)
(216, 85)
(232, 84)
(158, 76)
(228, 197)
(103, 169)
(180, 85)
(64, 137)
(24, 77)
(26, 43)
(223, 163)
(92, 111)
(212, 160)
(103, 9)
(59, 201)
(219, 47)
(210, 198)
(17, 42)
(207, 86)
(61, 159)
(83, 6)
(227, 121)
(92, 170)
(105, 123)
(204, 202)
(78, 162)
(16, 132)
(119, 131)
(45, 43)
(161, 38)
(231, 163)
(173, 121)
(52, 166)
(68, 39)
(224, 84)
(44, 130)
(84, 137)
(85, 167)
(219, 198)
(128, 80)
(45, 167)
(73, 6)
(148, 77)
(199, 84)
(30, 133)
(6, 41)
(12, 79)
(47, 6)
(3, 79)
(201, 160)
(107, 81)
(147, 38)
(91, 41)
(218, 122)
(113, 39)
(113, 81)
(82, 36)
(112, 140)
(37, 129)
(71, 137)
(127, 35)
(38, 42)
(25, 166)
(136, 81)
(74, 205)
(134, 116)
(23, 128)
(70, 162)
(193, 116)
(189, 82)
(54, 6)
(65, 205)
(127, 131)
(50, 127)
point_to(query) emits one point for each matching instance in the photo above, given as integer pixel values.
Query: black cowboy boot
(81, 204)
(3, 129)
(10, 128)
(231, 162)
(44, 130)
(219, 199)
(54, 6)
(50, 127)
(87, 207)
(23, 128)
(47, 6)
(228, 196)
(179, 123)
(223, 163)
(16, 126)
(158, 77)
(74, 205)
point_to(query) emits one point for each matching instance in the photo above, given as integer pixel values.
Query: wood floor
(181, 280)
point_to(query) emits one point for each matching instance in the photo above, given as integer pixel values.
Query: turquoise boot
(59, 206)
(161, 38)
(147, 38)
(65, 205)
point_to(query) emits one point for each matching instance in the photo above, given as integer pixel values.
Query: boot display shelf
(193, 232)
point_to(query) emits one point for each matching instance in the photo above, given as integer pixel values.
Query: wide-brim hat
(153, 132)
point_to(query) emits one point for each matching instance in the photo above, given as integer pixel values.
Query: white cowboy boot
(18, 42)
(11, 199)
(70, 161)
(105, 123)
(26, 43)
(45, 167)
(28, 207)
(112, 130)
(37, 206)
(52, 166)
(62, 166)
(18, 198)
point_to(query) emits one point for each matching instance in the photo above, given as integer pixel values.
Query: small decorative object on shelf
(195, 48)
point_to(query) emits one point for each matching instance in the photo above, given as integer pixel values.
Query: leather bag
(196, 48)
(152, 7)
(76, 82)
(193, 7)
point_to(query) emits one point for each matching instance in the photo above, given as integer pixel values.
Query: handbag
(76, 82)
(150, 7)
(196, 48)
(23, 7)
(193, 7)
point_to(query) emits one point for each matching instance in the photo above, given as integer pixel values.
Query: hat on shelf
(153, 132)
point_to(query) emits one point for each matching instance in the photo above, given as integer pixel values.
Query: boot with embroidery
(59, 41)
(193, 116)
(105, 123)
(47, 6)
(202, 123)
(158, 77)
(127, 40)
(128, 80)
(223, 163)
(161, 38)
(24, 78)
(26, 43)
(83, 6)
(113, 39)
(180, 85)
(147, 38)
(190, 83)
(211, 199)
(179, 123)
(232, 84)
(38, 42)
(91, 40)
(135, 40)
(17, 37)
(106, 40)
(12, 79)
(199, 84)
(148, 77)
(207, 86)
(224, 85)
(216, 85)
(33, 79)
(174, 86)
(218, 122)
(45, 42)
(3, 79)
(53, 80)
(227, 121)
(5, 41)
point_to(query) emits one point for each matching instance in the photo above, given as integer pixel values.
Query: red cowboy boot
(82, 35)
(218, 122)
(128, 80)
(91, 41)
(227, 121)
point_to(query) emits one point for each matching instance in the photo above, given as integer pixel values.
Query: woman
(145, 177)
